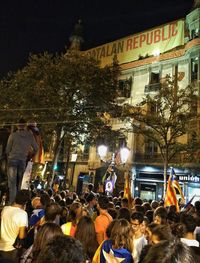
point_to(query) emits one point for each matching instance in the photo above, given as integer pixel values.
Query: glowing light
(102, 151)
(124, 153)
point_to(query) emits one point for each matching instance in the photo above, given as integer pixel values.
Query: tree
(67, 93)
(163, 118)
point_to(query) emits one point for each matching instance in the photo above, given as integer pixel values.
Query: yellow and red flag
(172, 185)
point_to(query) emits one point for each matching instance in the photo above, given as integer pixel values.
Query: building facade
(145, 59)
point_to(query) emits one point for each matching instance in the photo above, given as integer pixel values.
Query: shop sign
(189, 178)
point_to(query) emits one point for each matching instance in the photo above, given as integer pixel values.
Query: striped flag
(127, 189)
(170, 198)
(189, 202)
(176, 184)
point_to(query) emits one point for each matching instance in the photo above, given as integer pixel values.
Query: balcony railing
(157, 158)
(152, 87)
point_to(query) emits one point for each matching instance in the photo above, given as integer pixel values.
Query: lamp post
(124, 154)
(73, 160)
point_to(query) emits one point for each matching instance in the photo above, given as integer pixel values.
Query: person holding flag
(172, 186)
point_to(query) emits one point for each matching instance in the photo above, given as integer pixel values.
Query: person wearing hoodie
(18, 148)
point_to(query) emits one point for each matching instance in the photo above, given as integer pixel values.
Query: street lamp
(102, 151)
(73, 160)
(124, 154)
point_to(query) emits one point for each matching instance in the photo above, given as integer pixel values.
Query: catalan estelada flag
(127, 189)
(172, 185)
(107, 254)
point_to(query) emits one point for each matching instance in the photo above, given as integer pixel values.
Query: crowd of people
(43, 226)
(58, 226)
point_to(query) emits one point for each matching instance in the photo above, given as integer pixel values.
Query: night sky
(35, 26)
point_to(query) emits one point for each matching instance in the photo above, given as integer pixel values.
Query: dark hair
(86, 234)
(90, 186)
(62, 249)
(162, 232)
(146, 206)
(103, 202)
(139, 208)
(137, 216)
(22, 197)
(124, 212)
(124, 201)
(149, 215)
(112, 212)
(138, 201)
(45, 233)
(45, 199)
(197, 206)
(169, 252)
(90, 197)
(51, 211)
(22, 121)
(188, 222)
(162, 213)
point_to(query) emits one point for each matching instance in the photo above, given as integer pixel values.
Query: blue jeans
(15, 173)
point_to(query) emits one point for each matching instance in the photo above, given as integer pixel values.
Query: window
(194, 68)
(124, 89)
(154, 82)
(150, 147)
(154, 78)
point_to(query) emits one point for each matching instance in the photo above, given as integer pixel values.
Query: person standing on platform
(18, 147)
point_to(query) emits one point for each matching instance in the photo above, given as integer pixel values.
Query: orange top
(101, 223)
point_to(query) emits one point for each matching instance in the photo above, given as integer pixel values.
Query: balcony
(152, 87)
(157, 158)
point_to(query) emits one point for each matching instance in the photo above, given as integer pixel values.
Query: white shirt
(12, 218)
(138, 245)
(190, 242)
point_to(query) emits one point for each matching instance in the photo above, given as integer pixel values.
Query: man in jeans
(19, 145)
(14, 222)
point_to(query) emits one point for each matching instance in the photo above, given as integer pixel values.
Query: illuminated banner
(154, 41)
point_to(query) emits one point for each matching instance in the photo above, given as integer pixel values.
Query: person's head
(149, 215)
(146, 206)
(90, 187)
(149, 230)
(110, 227)
(160, 233)
(154, 204)
(75, 211)
(62, 249)
(138, 201)
(45, 233)
(144, 225)
(188, 222)
(103, 202)
(91, 199)
(21, 124)
(197, 206)
(124, 213)
(22, 197)
(172, 217)
(124, 202)
(45, 199)
(136, 221)
(169, 252)
(122, 235)
(139, 208)
(51, 211)
(160, 215)
(36, 203)
(86, 234)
